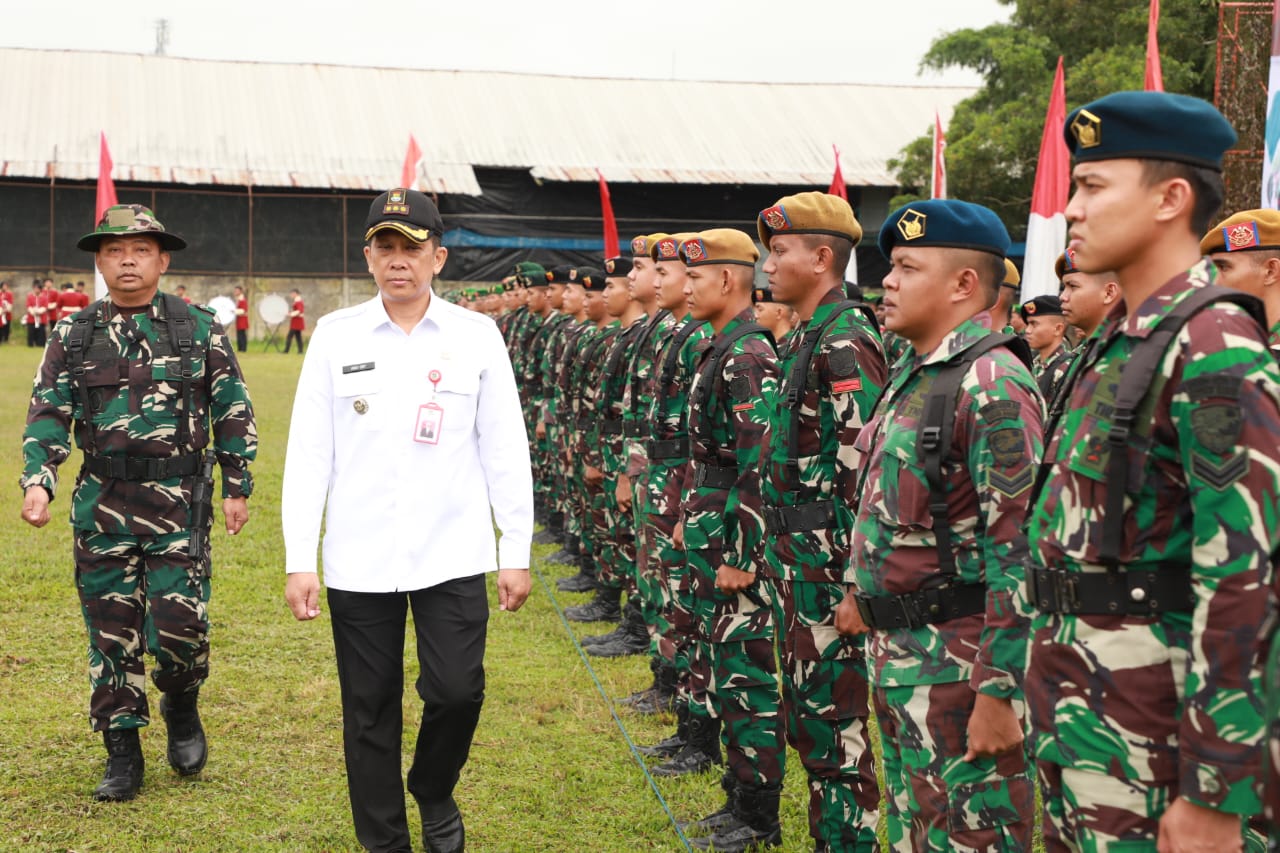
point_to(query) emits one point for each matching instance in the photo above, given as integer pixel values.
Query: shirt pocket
(360, 400)
(458, 394)
(103, 383)
(901, 496)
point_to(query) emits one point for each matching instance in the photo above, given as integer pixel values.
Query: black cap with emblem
(410, 212)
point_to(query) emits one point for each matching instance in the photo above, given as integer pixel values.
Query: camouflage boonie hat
(122, 219)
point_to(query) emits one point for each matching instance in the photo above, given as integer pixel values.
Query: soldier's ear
(1271, 271)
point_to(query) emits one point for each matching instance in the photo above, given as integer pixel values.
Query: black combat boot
(539, 509)
(655, 666)
(633, 641)
(187, 747)
(721, 817)
(668, 747)
(555, 523)
(613, 636)
(754, 821)
(701, 751)
(663, 698)
(584, 580)
(605, 607)
(125, 766)
(568, 555)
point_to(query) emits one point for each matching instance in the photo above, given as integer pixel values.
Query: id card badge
(430, 419)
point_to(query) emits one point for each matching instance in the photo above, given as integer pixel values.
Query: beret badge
(911, 225)
(1241, 236)
(1087, 129)
(694, 250)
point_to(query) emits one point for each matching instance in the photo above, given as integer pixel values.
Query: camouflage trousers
(656, 557)
(584, 498)
(937, 801)
(141, 594)
(825, 700)
(735, 643)
(1088, 812)
(616, 538)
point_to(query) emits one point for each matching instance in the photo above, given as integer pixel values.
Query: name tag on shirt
(357, 368)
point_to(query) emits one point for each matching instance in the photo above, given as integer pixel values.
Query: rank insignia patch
(911, 224)
(396, 203)
(1241, 236)
(1087, 129)
(1217, 426)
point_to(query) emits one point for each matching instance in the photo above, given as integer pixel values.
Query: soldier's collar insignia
(1087, 129)
(911, 224)
(695, 250)
(776, 218)
(396, 203)
(120, 217)
(1243, 235)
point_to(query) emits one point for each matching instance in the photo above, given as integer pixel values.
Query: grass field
(549, 771)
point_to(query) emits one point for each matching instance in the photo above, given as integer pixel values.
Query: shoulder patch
(740, 388)
(1209, 387)
(1000, 410)
(1217, 426)
(842, 362)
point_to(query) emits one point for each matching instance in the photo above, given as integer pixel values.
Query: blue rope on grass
(653, 785)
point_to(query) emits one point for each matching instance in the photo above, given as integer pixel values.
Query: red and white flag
(1154, 77)
(106, 198)
(412, 157)
(938, 184)
(610, 224)
(1047, 228)
(837, 178)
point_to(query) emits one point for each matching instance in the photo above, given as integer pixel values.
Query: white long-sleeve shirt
(402, 514)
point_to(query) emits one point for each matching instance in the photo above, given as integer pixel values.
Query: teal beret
(944, 223)
(1149, 126)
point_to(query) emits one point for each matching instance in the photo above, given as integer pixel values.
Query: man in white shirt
(407, 438)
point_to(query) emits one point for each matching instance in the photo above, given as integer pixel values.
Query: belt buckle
(910, 611)
(864, 608)
(772, 519)
(118, 467)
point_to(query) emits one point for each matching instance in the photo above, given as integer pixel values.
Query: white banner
(1271, 153)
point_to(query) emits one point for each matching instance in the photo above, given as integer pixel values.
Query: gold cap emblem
(911, 224)
(1087, 129)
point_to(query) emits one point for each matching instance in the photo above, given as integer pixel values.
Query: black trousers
(242, 340)
(368, 636)
(294, 335)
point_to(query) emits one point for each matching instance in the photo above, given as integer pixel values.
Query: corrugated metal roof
(191, 121)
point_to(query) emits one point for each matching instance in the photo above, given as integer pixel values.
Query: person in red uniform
(31, 316)
(6, 311)
(242, 320)
(47, 309)
(297, 320)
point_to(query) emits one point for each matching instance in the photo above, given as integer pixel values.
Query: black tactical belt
(815, 515)
(611, 426)
(634, 429)
(142, 467)
(922, 607)
(1131, 592)
(672, 448)
(715, 476)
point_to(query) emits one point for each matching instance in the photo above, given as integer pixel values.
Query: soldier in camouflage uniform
(779, 319)
(537, 377)
(523, 361)
(1086, 297)
(729, 405)
(1245, 247)
(1045, 332)
(573, 304)
(1154, 519)
(141, 509)
(832, 370)
(667, 453)
(936, 549)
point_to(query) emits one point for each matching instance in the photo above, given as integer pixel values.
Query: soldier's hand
(848, 619)
(623, 492)
(513, 588)
(540, 431)
(677, 535)
(994, 728)
(236, 513)
(733, 581)
(593, 475)
(35, 506)
(1189, 828)
(302, 593)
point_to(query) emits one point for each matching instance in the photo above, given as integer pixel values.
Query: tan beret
(1011, 276)
(1065, 263)
(1248, 229)
(719, 246)
(667, 247)
(642, 245)
(809, 213)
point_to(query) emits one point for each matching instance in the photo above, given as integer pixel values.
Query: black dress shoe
(445, 835)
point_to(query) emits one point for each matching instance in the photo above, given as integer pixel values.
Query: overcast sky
(854, 41)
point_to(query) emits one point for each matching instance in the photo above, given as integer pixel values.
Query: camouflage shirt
(637, 401)
(130, 375)
(587, 397)
(539, 374)
(1173, 698)
(1050, 374)
(609, 405)
(843, 382)
(727, 434)
(987, 476)
(670, 416)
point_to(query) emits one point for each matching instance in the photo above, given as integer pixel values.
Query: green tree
(993, 138)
